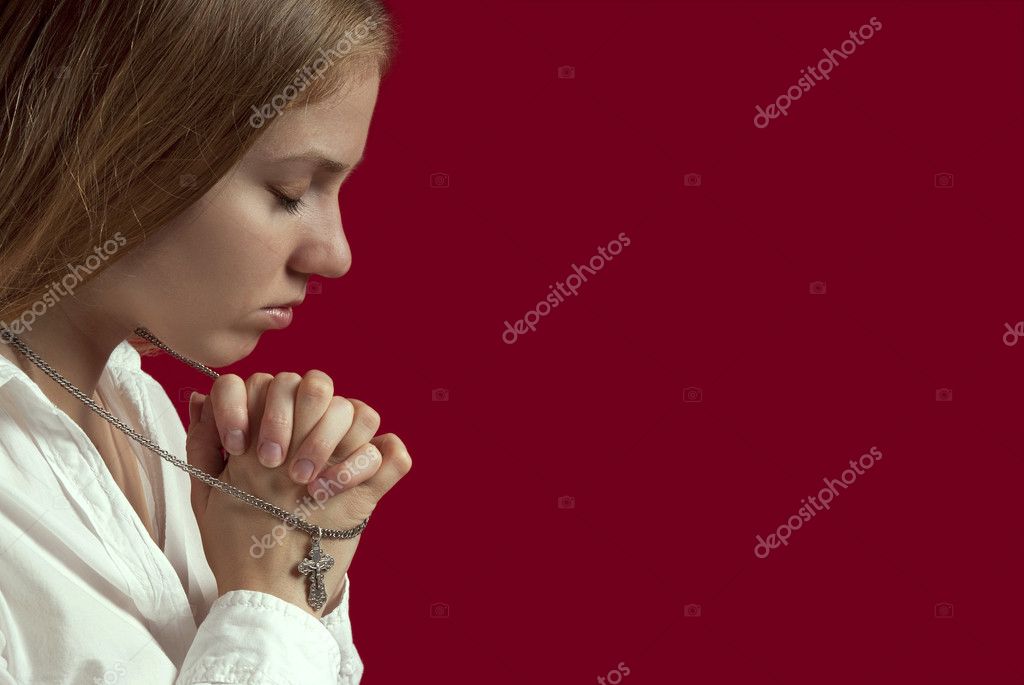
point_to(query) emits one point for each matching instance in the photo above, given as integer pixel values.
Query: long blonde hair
(119, 114)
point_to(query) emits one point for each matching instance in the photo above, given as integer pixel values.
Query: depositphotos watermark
(62, 288)
(1013, 333)
(310, 73)
(560, 290)
(825, 497)
(825, 67)
(260, 546)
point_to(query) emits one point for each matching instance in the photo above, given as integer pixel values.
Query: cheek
(217, 255)
(234, 236)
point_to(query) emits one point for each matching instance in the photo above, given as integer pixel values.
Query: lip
(278, 317)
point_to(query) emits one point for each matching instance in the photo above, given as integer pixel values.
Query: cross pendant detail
(316, 563)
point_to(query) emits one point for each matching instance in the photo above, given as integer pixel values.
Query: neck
(77, 350)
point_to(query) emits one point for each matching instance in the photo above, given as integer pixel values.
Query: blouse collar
(123, 358)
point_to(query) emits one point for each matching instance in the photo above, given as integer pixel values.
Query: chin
(220, 348)
(237, 346)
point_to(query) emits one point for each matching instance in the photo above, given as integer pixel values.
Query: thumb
(203, 448)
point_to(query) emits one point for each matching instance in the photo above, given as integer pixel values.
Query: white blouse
(87, 597)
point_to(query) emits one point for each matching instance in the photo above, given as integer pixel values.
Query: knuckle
(367, 462)
(397, 453)
(276, 422)
(344, 404)
(224, 382)
(391, 442)
(230, 414)
(317, 386)
(226, 409)
(255, 387)
(289, 377)
(368, 416)
(319, 447)
(403, 462)
(257, 380)
(372, 453)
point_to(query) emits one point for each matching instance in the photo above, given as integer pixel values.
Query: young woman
(170, 172)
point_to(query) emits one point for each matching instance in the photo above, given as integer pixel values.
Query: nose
(324, 250)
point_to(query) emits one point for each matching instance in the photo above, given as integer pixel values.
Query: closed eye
(292, 205)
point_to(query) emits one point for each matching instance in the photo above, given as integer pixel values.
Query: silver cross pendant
(316, 563)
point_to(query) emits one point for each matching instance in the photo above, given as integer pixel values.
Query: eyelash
(292, 205)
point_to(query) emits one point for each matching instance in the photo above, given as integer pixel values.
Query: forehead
(338, 124)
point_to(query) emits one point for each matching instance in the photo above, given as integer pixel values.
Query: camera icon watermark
(692, 180)
(566, 71)
(943, 395)
(693, 395)
(440, 610)
(185, 393)
(440, 180)
(692, 611)
(440, 395)
(944, 180)
(816, 288)
(943, 610)
(566, 502)
(314, 288)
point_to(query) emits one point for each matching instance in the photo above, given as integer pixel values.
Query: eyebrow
(323, 163)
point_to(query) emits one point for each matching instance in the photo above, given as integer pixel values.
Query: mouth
(278, 317)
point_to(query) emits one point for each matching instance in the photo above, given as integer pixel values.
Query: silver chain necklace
(314, 565)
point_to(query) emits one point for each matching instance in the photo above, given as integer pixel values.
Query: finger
(355, 469)
(256, 389)
(395, 463)
(195, 407)
(202, 443)
(278, 416)
(312, 398)
(207, 413)
(203, 448)
(231, 412)
(316, 449)
(365, 422)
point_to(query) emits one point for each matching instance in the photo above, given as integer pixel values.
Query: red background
(712, 293)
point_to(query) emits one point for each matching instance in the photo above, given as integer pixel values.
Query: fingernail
(235, 443)
(270, 454)
(302, 471)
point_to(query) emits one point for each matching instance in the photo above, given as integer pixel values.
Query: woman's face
(201, 282)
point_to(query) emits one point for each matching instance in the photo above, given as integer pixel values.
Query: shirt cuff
(252, 638)
(338, 624)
